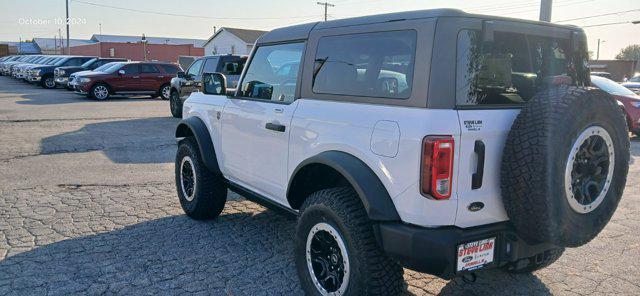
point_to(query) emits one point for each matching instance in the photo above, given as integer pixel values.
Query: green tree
(631, 52)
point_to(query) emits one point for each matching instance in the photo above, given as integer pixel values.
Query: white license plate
(474, 255)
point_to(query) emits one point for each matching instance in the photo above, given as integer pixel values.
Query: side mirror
(214, 84)
(389, 85)
(121, 72)
(180, 74)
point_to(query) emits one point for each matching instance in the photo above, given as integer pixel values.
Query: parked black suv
(44, 74)
(61, 74)
(187, 82)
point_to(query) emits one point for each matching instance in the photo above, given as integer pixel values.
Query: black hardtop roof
(300, 32)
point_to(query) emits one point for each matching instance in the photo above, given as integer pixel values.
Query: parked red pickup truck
(127, 78)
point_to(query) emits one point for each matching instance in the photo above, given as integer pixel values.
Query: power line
(190, 16)
(599, 15)
(610, 24)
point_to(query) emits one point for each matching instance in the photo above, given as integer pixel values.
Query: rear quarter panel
(319, 126)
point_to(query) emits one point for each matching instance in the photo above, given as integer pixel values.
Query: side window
(148, 68)
(261, 80)
(131, 69)
(368, 65)
(509, 70)
(210, 65)
(194, 70)
(232, 67)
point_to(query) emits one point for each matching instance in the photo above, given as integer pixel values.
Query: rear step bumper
(434, 250)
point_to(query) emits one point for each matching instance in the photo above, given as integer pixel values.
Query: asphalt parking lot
(88, 206)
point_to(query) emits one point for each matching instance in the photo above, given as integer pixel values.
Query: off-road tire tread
(177, 113)
(211, 191)
(382, 275)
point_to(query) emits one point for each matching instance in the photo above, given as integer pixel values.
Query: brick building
(136, 51)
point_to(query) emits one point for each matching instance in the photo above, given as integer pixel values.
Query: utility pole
(545, 10)
(326, 5)
(61, 42)
(100, 43)
(598, 50)
(68, 46)
(144, 46)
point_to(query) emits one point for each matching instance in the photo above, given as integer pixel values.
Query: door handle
(476, 179)
(136, 77)
(275, 127)
(278, 110)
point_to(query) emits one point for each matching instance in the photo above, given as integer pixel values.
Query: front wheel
(202, 193)
(336, 251)
(48, 82)
(100, 92)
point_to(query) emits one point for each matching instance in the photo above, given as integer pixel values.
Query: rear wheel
(100, 91)
(175, 104)
(336, 251)
(165, 92)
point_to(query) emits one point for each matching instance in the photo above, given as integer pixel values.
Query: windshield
(635, 79)
(88, 63)
(611, 87)
(114, 67)
(60, 61)
(104, 67)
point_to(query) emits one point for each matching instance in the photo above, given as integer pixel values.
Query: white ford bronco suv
(436, 140)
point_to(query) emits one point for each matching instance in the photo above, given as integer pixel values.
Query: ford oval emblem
(475, 206)
(467, 259)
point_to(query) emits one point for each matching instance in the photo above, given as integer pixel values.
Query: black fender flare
(196, 127)
(373, 195)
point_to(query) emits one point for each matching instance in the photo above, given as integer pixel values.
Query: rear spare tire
(565, 165)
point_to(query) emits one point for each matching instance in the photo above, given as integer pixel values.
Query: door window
(262, 81)
(366, 65)
(131, 69)
(194, 70)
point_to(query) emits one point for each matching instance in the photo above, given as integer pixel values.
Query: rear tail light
(437, 166)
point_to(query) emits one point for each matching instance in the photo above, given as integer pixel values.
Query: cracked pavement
(88, 206)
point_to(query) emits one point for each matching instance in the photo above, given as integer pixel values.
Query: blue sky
(41, 18)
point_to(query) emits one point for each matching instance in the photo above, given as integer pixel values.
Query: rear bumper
(434, 250)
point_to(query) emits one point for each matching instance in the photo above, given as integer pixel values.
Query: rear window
(211, 65)
(148, 68)
(366, 65)
(171, 69)
(509, 70)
